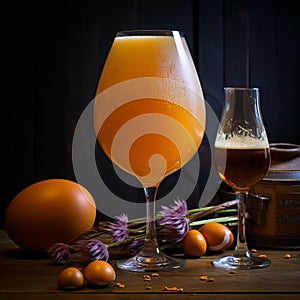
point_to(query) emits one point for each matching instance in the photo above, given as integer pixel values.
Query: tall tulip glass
(149, 116)
(242, 157)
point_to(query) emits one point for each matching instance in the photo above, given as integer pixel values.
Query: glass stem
(241, 249)
(151, 244)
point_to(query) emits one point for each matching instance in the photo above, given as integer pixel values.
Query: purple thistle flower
(174, 227)
(60, 253)
(174, 223)
(180, 208)
(94, 249)
(118, 229)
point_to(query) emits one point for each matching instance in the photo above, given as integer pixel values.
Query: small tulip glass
(242, 157)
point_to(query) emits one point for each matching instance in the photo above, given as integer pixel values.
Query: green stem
(219, 220)
(213, 209)
(222, 211)
(196, 210)
(133, 230)
(137, 220)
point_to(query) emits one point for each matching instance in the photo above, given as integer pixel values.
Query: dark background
(56, 50)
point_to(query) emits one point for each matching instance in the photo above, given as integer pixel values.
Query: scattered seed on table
(148, 287)
(120, 285)
(173, 288)
(147, 278)
(253, 250)
(287, 256)
(262, 255)
(232, 272)
(206, 278)
(203, 277)
(155, 275)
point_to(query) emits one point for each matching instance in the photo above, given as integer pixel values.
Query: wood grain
(24, 276)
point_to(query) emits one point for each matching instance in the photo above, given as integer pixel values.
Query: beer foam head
(242, 142)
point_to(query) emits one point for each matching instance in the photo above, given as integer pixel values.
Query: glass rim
(241, 88)
(148, 32)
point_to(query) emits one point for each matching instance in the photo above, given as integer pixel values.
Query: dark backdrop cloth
(56, 51)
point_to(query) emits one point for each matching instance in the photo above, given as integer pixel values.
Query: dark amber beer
(242, 167)
(242, 158)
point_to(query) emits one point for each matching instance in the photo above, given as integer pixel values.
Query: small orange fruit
(218, 236)
(70, 278)
(194, 243)
(99, 273)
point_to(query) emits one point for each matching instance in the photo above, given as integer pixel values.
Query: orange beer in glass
(152, 57)
(149, 116)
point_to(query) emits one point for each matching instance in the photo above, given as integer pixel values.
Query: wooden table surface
(24, 277)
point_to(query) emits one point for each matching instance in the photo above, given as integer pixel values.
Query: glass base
(141, 263)
(241, 263)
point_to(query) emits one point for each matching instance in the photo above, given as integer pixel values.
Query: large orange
(48, 212)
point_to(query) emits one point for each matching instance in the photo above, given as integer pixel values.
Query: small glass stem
(151, 244)
(241, 249)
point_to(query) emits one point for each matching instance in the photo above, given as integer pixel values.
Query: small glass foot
(141, 263)
(241, 263)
